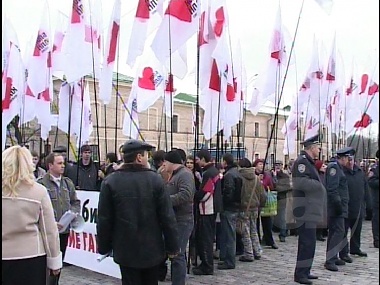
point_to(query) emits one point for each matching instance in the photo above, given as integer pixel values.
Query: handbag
(270, 208)
(240, 219)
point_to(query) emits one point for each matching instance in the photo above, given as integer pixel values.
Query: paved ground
(276, 267)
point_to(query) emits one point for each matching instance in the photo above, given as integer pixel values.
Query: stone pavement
(275, 267)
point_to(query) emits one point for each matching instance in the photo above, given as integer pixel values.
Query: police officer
(337, 206)
(136, 220)
(308, 205)
(373, 182)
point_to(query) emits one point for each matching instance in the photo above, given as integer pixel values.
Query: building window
(175, 124)
(257, 130)
(271, 162)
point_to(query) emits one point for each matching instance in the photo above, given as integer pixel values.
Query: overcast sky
(356, 23)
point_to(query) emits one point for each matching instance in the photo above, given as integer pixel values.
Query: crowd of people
(158, 208)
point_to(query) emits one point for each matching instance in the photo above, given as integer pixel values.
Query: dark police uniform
(337, 209)
(373, 182)
(309, 202)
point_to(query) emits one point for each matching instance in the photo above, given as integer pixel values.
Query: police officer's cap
(311, 141)
(135, 145)
(346, 151)
(60, 149)
(278, 162)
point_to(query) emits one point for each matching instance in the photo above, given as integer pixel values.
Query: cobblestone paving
(275, 267)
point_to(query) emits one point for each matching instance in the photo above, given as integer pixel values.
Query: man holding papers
(63, 198)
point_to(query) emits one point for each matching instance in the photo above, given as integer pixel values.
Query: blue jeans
(178, 263)
(279, 219)
(228, 245)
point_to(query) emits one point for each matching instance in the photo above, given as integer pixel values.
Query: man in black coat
(309, 200)
(231, 192)
(337, 206)
(357, 189)
(373, 182)
(136, 221)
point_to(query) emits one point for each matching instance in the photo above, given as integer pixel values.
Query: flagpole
(283, 83)
(170, 72)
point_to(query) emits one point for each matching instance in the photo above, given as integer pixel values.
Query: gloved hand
(338, 208)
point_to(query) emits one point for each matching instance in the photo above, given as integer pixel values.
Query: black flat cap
(311, 141)
(346, 151)
(60, 149)
(135, 145)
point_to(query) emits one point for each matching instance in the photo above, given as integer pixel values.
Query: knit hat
(257, 161)
(318, 164)
(173, 157)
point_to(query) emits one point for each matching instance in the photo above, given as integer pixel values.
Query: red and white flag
(13, 78)
(289, 131)
(105, 82)
(179, 24)
(39, 63)
(169, 96)
(148, 17)
(83, 41)
(131, 119)
(273, 77)
(58, 58)
(149, 83)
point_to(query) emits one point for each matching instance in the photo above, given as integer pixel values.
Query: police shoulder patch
(301, 168)
(332, 171)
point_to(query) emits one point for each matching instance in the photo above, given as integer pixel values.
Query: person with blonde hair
(30, 242)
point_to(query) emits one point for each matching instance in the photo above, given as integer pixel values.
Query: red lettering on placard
(84, 241)
(77, 241)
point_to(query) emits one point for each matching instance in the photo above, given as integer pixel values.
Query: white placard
(81, 247)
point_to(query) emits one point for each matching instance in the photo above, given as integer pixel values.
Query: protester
(136, 220)
(252, 197)
(266, 222)
(63, 198)
(86, 175)
(181, 188)
(209, 200)
(30, 242)
(231, 193)
(38, 171)
(282, 186)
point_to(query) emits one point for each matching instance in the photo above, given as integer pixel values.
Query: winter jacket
(181, 189)
(231, 189)
(209, 195)
(135, 218)
(249, 179)
(357, 188)
(28, 226)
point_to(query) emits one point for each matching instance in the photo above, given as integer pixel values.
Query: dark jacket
(282, 182)
(337, 190)
(136, 218)
(259, 197)
(357, 189)
(209, 195)
(231, 189)
(85, 177)
(309, 194)
(373, 182)
(181, 188)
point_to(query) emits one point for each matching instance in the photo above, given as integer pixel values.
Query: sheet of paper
(66, 219)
